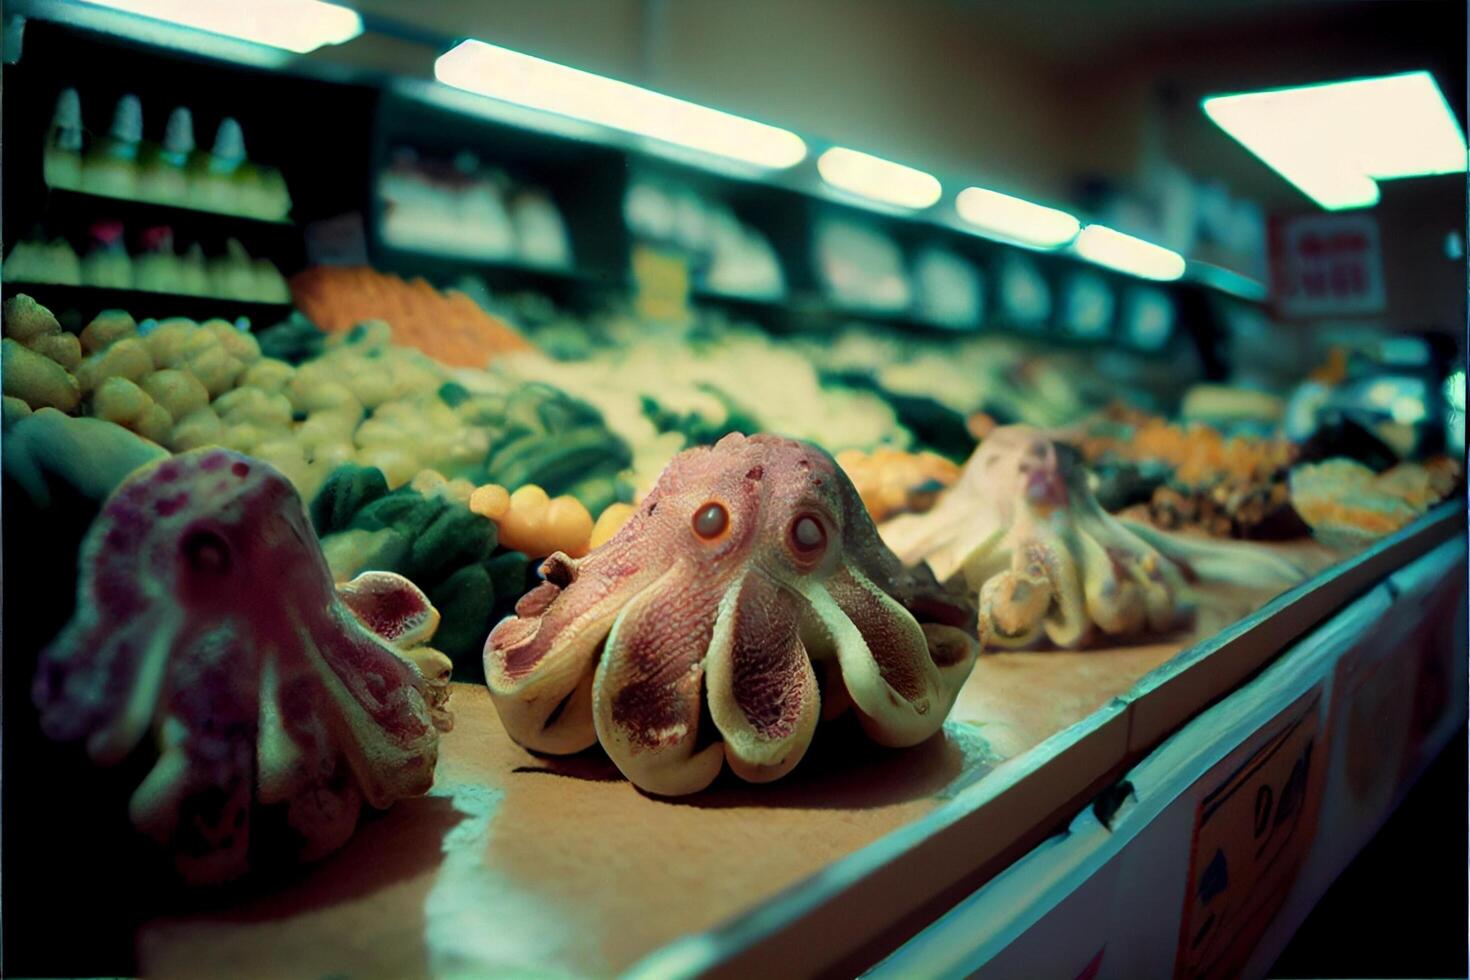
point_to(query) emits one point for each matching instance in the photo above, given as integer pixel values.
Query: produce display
(1023, 531)
(449, 327)
(892, 482)
(1346, 503)
(431, 538)
(750, 569)
(664, 391)
(207, 625)
(464, 211)
(1193, 475)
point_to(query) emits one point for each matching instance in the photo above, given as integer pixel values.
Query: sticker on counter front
(1252, 831)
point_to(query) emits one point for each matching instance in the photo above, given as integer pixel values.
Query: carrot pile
(449, 327)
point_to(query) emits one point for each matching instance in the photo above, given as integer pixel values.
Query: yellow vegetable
(239, 344)
(25, 319)
(538, 526)
(155, 423)
(567, 526)
(428, 482)
(126, 358)
(398, 466)
(268, 374)
(178, 391)
(458, 489)
(609, 523)
(63, 348)
(254, 405)
(14, 410)
(491, 500)
(106, 328)
(330, 454)
(201, 428)
(166, 342)
(121, 401)
(35, 379)
(308, 395)
(215, 369)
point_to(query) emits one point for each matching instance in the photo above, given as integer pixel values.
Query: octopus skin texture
(749, 593)
(206, 617)
(1023, 531)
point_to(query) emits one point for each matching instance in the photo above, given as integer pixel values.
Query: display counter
(517, 861)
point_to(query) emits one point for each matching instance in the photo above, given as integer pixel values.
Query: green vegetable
(455, 537)
(453, 394)
(466, 601)
(510, 572)
(348, 490)
(555, 463)
(294, 340)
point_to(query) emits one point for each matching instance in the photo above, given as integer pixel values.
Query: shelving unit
(88, 301)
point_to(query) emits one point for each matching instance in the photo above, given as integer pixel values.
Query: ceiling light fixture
(1015, 220)
(291, 25)
(1335, 140)
(877, 179)
(1104, 246)
(510, 76)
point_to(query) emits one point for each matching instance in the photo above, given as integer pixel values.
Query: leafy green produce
(466, 601)
(346, 491)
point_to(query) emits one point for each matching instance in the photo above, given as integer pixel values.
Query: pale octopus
(1023, 531)
(206, 617)
(750, 591)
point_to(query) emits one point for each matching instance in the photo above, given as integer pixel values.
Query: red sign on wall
(1326, 265)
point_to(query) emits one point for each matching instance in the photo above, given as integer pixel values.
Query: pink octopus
(751, 590)
(1022, 530)
(206, 617)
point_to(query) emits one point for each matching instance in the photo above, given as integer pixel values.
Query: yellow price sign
(661, 284)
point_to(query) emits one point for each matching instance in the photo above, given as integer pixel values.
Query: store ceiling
(1131, 72)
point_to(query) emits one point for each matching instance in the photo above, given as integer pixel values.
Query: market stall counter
(518, 861)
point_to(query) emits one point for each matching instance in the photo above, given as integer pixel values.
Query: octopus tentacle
(646, 696)
(762, 690)
(539, 663)
(884, 657)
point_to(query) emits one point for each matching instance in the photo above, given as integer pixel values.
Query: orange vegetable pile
(449, 327)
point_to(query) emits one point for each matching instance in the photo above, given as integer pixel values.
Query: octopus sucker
(207, 617)
(749, 594)
(1022, 530)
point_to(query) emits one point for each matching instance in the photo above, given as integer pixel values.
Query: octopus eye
(710, 521)
(808, 536)
(206, 551)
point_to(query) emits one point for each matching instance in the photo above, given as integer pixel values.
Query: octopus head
(749, 570)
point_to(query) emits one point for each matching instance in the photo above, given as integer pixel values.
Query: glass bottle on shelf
(211, 175)
(157, 269)
(162, 177)
(62, 164)
(110, 167)
(107, 264)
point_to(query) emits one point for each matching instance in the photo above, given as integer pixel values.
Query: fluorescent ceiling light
(293, 25)
(878, 179)
(521, 79)
(1104, 246)
(1012, 219)
(1335, 140)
